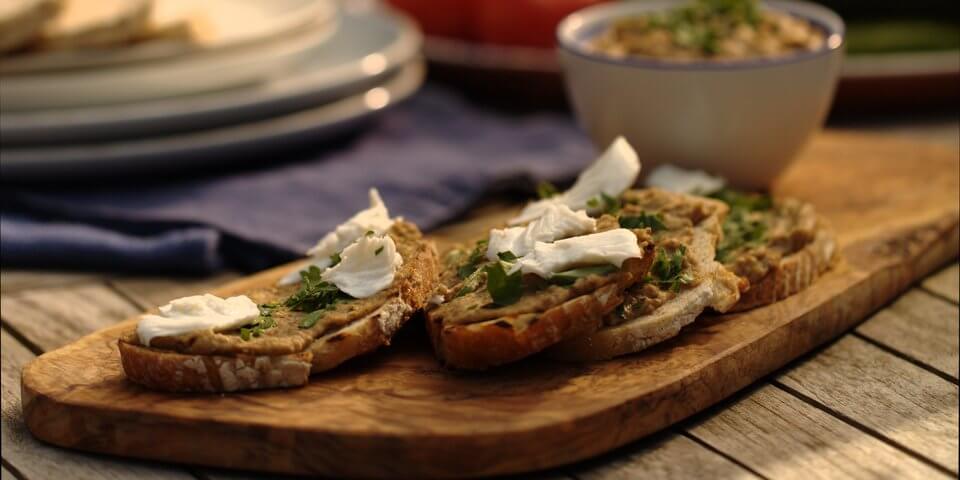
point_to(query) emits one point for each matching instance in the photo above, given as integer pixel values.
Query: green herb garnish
(264, 321)
(652, 221)
(478, 256)
(568, 277)
(546, 189)
(335, 259)
(310, 319)
(504, 288)
(744, 225)
(606, 203)
(667, 269)
(314, 293)
(507, 256)
(377, 251)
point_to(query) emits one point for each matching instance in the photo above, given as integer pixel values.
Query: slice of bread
(798, 247)
(22, 21)
(490, 342)
(688, 221)
(285, 355)
(96, 24)
(470, 332)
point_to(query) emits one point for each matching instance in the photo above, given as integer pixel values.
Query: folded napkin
(432, 158)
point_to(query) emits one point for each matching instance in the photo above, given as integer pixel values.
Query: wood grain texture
(149, 292)
(398, 411)
(17, 280)
(6, 474)
(667, 456)
(945, 283)
(36, 461)
(921, 326)
(50, 317)
(901, 401)
(782, 437)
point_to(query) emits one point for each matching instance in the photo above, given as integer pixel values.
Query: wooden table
(881, 401)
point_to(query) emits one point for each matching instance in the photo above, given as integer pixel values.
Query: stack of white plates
(295, 70)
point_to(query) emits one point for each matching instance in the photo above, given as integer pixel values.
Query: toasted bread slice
(22, 21)
(658, 308)
(350, 328)
(794, 248)
(96, 24)
(471, 332)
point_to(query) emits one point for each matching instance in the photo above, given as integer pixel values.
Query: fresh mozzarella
(613, 172)
(676, 179)
(366, 266)
(376, 219)
(609, 247)
(558, 221)
(196, 313)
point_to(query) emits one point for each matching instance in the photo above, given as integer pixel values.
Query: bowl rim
(585, 23)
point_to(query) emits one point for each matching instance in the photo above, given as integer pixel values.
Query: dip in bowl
(727, 86)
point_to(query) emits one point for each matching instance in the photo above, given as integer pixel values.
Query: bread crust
(489, 343)
(177, 372)
(718, 288)
(170, 370)
(793, 273)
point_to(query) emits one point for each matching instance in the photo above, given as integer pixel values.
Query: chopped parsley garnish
(606, 203)
(334, 259)
(476, 259)
(507, 256)
(667, 269)
(644, 220)
(470, 283)
(743, 201)
(744, 226)
(377, 252)
(504, 288)
(546, 189)
(256, 329)
(568, 277)
(370, 233)
(310, 319)
(314, 293)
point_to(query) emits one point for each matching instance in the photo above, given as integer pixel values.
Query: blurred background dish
(169, 28)
(743, 118)
(233, 143)
(189, 72)
(901, 55)
(344, 76)
(369, 45)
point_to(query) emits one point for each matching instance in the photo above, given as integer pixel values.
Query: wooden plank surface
(12, 280)
(38, 461)
(921, 326)
(538, 413)
(780, 436)
(50, 317)
(668, 455)
(900, 401)
(149, 292)
(945, 283)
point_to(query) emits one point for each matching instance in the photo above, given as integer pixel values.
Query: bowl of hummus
(733, 87)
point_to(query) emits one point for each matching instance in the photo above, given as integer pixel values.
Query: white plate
(225, 24)
(246, 141)
(179, 75)
(369, 44)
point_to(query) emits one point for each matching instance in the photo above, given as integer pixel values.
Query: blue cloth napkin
(432, 158)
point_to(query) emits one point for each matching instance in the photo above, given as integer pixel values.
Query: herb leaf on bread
(314, 293)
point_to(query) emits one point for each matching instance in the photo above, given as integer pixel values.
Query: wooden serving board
(397, 412)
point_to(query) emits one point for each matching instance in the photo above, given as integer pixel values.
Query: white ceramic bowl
(745, 120)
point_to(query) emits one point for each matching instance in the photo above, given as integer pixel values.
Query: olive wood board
(399, 413)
